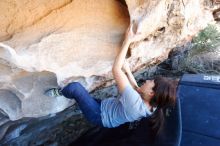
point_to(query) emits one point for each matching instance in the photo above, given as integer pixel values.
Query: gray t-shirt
(127, 108)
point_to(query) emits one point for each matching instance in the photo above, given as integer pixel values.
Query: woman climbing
(134, 102)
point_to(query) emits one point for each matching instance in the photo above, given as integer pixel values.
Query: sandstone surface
(47, 43)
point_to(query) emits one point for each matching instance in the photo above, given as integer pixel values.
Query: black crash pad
(200, 103)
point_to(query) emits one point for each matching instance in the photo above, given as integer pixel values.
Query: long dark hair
(165, 96)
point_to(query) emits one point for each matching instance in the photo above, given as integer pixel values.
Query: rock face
(48, 43)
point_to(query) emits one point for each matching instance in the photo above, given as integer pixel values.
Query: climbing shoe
(53, 92)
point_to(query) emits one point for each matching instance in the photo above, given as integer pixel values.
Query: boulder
(47, 44)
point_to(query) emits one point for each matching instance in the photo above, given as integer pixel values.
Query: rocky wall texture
(46, 43)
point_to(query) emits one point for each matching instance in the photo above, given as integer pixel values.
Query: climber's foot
(53, 92)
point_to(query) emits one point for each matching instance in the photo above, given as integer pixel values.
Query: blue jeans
(90, 107)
